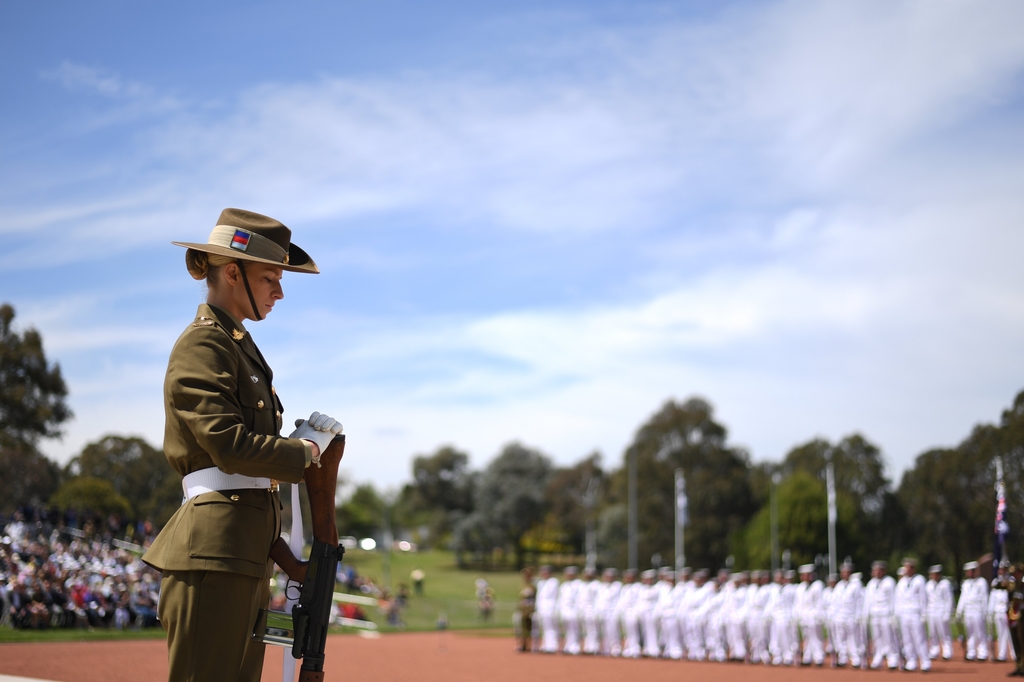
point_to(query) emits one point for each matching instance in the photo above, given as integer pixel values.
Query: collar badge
(255, 379)
(237, 335)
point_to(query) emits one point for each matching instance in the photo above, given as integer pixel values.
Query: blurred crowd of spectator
(54, 575)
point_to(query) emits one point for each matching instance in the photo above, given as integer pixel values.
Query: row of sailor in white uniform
(751, 617)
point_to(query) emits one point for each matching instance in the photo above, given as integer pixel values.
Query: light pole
(774, 502)
(681, 504)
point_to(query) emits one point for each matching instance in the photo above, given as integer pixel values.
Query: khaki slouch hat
(248, 236)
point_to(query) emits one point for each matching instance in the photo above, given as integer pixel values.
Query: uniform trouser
(846, 641)
(631, 624)
(758, 639)
(651, 647)
(915, 642)
(209, 617)
(695, 649)
(814, 649)
(781, 640)
(670, 632)
(611, 644)
(571, 625)
(737, 635)
(549, 632)
(1004, 650)
(883, 642)
(977, 635)
(714, 637)
(1016, 635)
(592, 633)
(940, 639)
(526, 632)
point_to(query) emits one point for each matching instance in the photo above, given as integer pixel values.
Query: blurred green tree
(86, 493)
(32, 393)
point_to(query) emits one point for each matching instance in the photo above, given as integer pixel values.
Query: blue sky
(535, 221)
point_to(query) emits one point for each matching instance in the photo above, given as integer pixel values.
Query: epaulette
(204, 322)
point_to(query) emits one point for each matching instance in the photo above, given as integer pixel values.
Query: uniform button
(235, 498)
(259, 405)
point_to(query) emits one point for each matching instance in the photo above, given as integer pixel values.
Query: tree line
(523, 507)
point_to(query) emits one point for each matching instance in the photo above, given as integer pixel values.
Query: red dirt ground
(433, 657)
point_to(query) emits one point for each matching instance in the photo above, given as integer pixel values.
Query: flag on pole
(1001, 527)
(682, 504)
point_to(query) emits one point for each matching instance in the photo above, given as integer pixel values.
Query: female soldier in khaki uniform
(223, 435)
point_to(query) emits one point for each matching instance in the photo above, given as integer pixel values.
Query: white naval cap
(937, 568)
(806, 568)
(971, 565)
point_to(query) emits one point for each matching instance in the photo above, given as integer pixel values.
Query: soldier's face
(935, 577)
(265, 282)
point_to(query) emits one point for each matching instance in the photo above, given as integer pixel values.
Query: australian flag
(1001, 527)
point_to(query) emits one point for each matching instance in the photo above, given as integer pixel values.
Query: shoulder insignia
(203, 322)
(237, 335)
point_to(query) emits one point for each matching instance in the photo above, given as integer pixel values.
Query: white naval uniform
(547, 610)
(998, 601)
(568, 596)
(714, 631)
(587, 603)
(735, 617)
(878, 610)
(696, 647)
(757, 625)
(807, 608)
(782, 641)
(940, 611)
(606, 607)
(911, 605)
(649, 617)
(671, 625)
(971, 608)
(628, 599)
(847, 607)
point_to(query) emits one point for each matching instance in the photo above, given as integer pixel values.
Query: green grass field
(447, 589)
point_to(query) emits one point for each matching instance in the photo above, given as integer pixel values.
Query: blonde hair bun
(199, 263)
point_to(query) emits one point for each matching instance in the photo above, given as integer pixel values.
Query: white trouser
(758, 638)
(670, 632)
(592, 633)
(737, 639)
(977, 635)
(714, 638)
(915, 642)
(782, 642)
(940, 639)
(549, 632)
(611, 638)
(631, 625)
(651, 648)
(695, 649)
(571, 625)
(814, 649)
(1004, 649)
(883, 642)
(845, 638)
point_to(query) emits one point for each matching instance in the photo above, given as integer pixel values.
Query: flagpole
(830, 480)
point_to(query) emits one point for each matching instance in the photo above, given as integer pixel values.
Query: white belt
(208, 480)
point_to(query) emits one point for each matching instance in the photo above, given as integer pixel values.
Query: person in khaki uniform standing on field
(223, 435)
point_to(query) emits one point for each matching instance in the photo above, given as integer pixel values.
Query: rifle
(311, 616)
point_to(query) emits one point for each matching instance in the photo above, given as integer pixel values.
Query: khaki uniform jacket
(222, 411)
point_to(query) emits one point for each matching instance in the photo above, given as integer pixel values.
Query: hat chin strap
(245, 280)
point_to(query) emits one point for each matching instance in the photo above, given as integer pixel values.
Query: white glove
(307, 432)
(321, 422)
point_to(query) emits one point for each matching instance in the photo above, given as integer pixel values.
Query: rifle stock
(311, 616)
